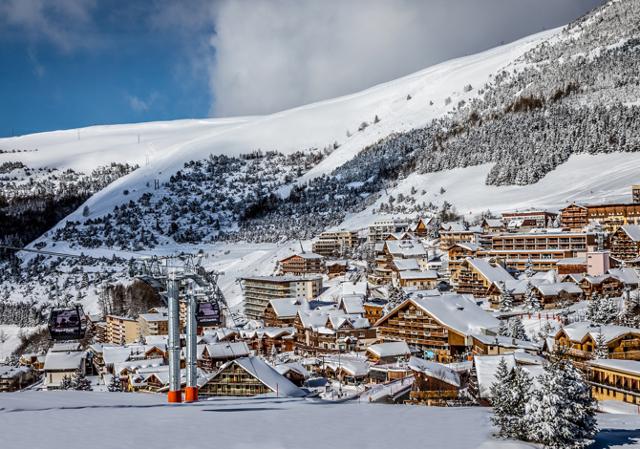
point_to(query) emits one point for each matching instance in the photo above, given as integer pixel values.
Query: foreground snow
(36, 419)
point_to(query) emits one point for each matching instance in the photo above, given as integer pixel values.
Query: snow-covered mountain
(539, 122)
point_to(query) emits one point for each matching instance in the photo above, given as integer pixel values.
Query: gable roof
(633, 231)
(405, 264)
(557, 288)
(288, 307)
(267, 375)
(63, 361)
(492, 273)
(390, 349)
(435, 370)
(580, 330)
(225, 350)
(456, 312)
(406, 248)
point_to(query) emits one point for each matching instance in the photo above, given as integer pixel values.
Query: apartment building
(610, 216)
(259, 290)
(576, 242)
(335, 243)
(303, 263)
(153, 324)
(381, 229)
(122, 330)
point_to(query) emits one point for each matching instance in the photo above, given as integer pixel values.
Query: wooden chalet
(14, 378)
(301, 264)
(336, 268)
(617, 380)
(388, 352)
(248, 376)
(604, 285)
(572, 265)
(610, 216)
(625, 243)
(331, 331)
(439, 325)
(475, 276)
(578, 340)
(458, 253)
(434, 383)
(457, 234)
(212, 356)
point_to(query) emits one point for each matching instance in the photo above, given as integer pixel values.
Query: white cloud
(275, 54)
(138, 104)
(66, 24)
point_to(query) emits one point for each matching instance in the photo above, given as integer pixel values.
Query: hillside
(549, 119)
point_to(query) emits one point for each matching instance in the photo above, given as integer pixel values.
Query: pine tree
(115, 385)
(601, 349)
(520, 395)
(80, 382)
(561, 413)
(602, 310)
(506, 298)
(66, 384)
(517, 330)
(503, 330)
(500, 400)
(531, 300)
(529, 272)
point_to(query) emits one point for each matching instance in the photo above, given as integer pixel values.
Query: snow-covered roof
(405, 264)
(469, 246)
(310, 256)
(412, 274)
(628, 276)
(492, 273)
(11, 372)
(65, 347)
(275, 381)
(633, 231)
(63, 361)
(578, 331)
(295, 367)
(506, 342)
(390, 349)
(559, 287)
(352, 304)
(354, 288)
(356, 367)
(626, 366)
(154, 317)
(288, 307)
(406, 248)
(456, 312)
(136, 365)
(435, 370)
(227, 350)
(572, 261)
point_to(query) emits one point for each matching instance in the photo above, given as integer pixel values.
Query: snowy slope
(169, 144)
(107, 420)
(583, 178)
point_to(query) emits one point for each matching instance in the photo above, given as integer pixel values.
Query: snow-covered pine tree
(80, 382)
(500, 400)
(561, 413)
(528, 269)
(517, 330)
(503, 330)
(115, 385)
(506, 298)
(532, 303)
(602, 310)
(520, 395)
(601, 350)
(66, 384)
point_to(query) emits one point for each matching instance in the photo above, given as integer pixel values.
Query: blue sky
(127, 70)
(73, 63)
